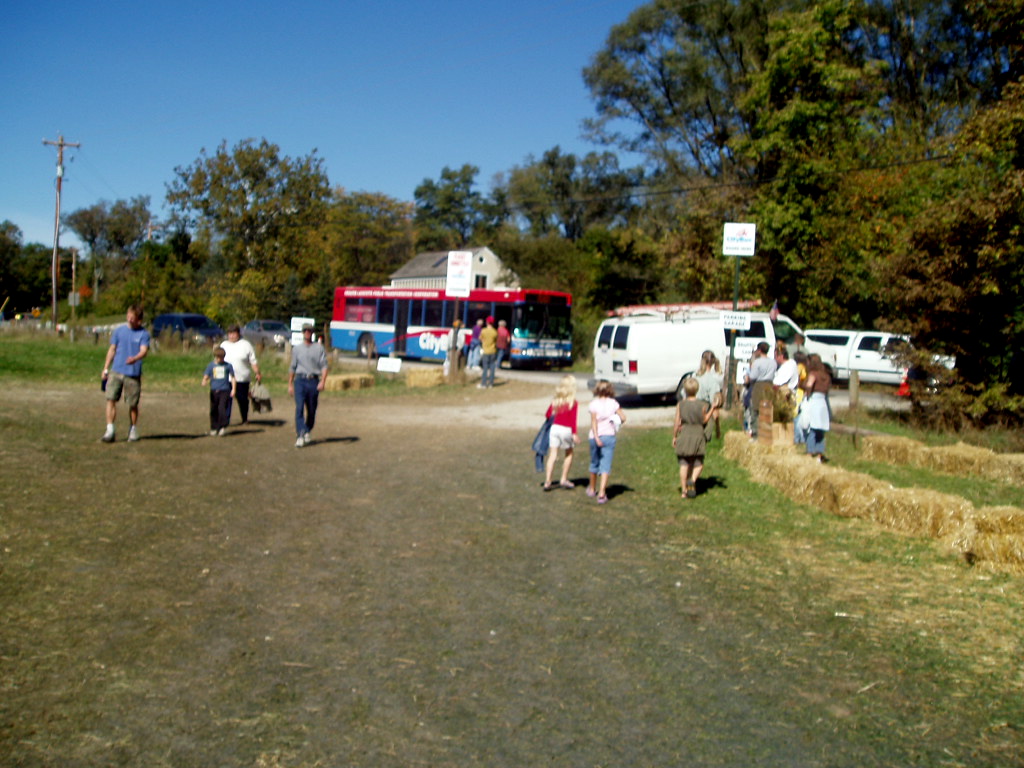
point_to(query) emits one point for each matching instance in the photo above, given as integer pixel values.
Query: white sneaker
(213, 433)
(133, 435)
(299, 442)
(108, 436)
(306, 440)
(222, 431)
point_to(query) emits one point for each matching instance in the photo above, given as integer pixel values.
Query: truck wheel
(366, 347)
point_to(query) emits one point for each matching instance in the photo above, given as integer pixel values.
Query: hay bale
(889, 449)
(344, 381)
(424, 377)
(990, 535)
(961, 459)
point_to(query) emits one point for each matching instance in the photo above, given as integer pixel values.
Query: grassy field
(405, 595)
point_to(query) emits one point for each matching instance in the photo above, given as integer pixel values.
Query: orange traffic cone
(904, 390)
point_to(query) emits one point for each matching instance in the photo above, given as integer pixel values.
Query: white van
(649, 353)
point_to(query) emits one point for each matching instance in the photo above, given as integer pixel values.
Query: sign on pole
(738, 239)
(736, 321)
(460, 274)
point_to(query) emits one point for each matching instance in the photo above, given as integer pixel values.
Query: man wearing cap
(306, 378)
(489, 353)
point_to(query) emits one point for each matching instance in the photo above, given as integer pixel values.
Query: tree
(449, 210)
(674, 73)
(562, 194)
(252, 204)
(112, 233)
(368, 236)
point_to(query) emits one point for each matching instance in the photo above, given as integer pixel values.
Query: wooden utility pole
(55, 264)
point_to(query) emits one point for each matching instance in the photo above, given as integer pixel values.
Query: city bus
(416, 322)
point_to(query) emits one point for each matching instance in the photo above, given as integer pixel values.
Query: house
(430, 270)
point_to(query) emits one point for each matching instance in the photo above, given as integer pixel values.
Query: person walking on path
(564, 410)
(242, 357)
(504, 343)
(220, 377)
(606, 417)
(122, 371)
(489, 353)
(307, 376)
(688, 436)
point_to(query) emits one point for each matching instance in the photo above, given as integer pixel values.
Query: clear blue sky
(388, 93)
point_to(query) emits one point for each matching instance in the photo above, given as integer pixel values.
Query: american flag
(773, 313)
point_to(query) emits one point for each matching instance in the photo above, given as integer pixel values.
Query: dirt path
(399, 593)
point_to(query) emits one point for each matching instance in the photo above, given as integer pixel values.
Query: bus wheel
(366, 346)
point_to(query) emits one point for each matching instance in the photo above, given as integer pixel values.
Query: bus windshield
(549, 321)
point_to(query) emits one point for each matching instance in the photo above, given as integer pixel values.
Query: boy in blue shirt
(221, 378)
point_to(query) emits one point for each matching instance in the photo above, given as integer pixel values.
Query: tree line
(877, 144)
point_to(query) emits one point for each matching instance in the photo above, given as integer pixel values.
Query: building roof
(429, 264)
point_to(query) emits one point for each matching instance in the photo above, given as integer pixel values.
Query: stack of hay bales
(994, 535)
(960, 459)
(342, 381)
(424, 377)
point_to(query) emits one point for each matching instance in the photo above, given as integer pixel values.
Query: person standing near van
(759, 379)
(710, 380)
(307, 376)
(606, 417)
(122, 371)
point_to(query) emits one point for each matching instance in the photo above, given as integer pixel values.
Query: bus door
(401, 325)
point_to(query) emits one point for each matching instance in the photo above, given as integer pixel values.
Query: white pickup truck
(867, 352)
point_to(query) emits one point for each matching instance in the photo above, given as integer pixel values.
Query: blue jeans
(306, 396)
(601, 455)
(501, 356)
(488, 363)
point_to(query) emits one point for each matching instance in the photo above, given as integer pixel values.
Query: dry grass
(992, 536)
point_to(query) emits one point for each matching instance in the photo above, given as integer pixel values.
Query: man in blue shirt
(122, 371)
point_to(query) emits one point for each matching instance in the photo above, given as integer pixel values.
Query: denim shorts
(601, 456)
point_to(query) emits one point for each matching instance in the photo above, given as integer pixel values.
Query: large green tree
(563, 194)
(449, 210)
(252, 204)
(112, 233)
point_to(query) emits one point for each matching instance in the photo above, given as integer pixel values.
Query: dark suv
(188, 326)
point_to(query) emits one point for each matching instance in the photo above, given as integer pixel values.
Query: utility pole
(55, 264)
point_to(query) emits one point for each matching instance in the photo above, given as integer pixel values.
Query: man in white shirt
(242, 357)
(786, 375)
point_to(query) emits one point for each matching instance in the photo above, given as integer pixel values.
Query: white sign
(296, 327)
(460, 274)
(738, 239)
(736, 321)
(389, 364)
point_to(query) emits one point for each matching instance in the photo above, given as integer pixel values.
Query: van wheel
(366, 347)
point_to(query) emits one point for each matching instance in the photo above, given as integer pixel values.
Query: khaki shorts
(131, 385)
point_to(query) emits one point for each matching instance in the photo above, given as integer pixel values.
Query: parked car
(873, 354)
(269, 333)
(188, 326)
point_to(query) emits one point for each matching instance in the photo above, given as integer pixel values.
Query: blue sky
(388, 93)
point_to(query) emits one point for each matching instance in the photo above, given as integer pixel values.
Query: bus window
(433, 312)
(360, 313)
(386, 313)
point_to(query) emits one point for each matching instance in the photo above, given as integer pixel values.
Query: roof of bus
(385, 292)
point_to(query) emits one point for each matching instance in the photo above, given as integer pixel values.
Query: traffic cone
(904, 389)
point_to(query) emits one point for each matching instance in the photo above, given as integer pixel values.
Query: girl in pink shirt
(606, 417)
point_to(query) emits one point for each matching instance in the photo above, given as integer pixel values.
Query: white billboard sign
(460, 274)
(738, 239)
